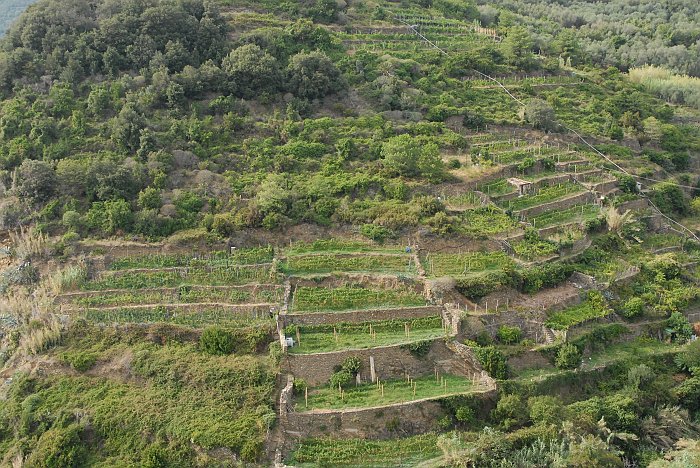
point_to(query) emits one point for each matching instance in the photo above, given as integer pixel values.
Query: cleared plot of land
(140, 279)
(318, 299)
(365, 453)
(370, 262)
(395, 391)
(465, 264)
(324, 338)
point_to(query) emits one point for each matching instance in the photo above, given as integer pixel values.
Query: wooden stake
(335, 335)
(306, 396)
(298, 337)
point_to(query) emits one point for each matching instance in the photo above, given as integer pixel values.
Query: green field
(365, 453)
(465, 264)
(317, 299)
(395, 391)
(211, 259)
(195, 319)
(571, 316)
(327, 263)
(324, 338)
(542, 196)
(174, 278)
(184, 295)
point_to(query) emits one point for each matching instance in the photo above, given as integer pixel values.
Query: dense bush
(493, 361)
(568, 357)
(217, 341)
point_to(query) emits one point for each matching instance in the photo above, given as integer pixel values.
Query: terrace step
(358, 316)
(242, 308)
(560, 204)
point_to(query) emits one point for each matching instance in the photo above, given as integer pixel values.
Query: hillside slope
(364, 233)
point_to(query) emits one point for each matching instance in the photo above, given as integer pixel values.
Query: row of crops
(213, 276)
(352, 297)
(341, 336)
(183, 294)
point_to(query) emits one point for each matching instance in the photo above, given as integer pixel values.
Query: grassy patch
(543, 195)
(365, 453)
(173, 278)
(486, 221)
(575, 214)
(337, 245)
(212, 259)
(571, 316)
(182, 398)
(465, 264)
(327, 263)
(184, 295)
(315, 299)
(320, 338)
(395, 391)
(190, 318)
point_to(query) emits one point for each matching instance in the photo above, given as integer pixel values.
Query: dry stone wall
(390, 362)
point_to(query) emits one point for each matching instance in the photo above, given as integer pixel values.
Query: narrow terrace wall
(390, 362)
(356, 316)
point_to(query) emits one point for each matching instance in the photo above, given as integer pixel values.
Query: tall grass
(41, 336)
(29, 242)
(678, 89)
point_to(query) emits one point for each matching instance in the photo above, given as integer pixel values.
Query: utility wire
(414, 29)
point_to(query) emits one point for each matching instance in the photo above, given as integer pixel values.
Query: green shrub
(634, 307)
(58, 448)
(419, 348)
(375, 232)
(545, 409)
(465, 415)
(510, 411)
(568, 357)
(679, 326)
(80, 360)
(509, 335)
(216, 341)
(493, 361)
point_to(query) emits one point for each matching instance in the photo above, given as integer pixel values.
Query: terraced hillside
(363, 233)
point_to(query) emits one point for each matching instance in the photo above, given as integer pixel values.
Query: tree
(405, 156)
(545, 409)
(493, 362)
(540, 114)
(126, 128)
(679, 326)
(313, 75)
(36, 181)
(517, 47)
(251, 71)
(149, 198)
(568, 357)
(510, 411)
(118, 216)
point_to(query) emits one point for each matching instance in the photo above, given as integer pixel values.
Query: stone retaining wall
(385, 422)
(356, 316)
(390, 362)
